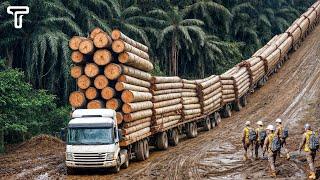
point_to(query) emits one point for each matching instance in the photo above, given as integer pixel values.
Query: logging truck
(94, 140)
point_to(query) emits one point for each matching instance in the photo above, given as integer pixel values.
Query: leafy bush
(25, 111)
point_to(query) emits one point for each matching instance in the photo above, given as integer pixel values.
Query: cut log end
(119, 117)
(101, 82)
(126, 108)
(113, 104)
(91, 93)
(107, 93)
(112, 71)
(86, 46)
(119, 86)
(102, 57)
(95, 104)
(94, 32)
(75, 42)
(127, 96)
(102, 40)
(91, 70)
(118, 46)
(77, 57)
(76, 71)
(116, 34)
(83, 82)
(77, 99)
(123, 57)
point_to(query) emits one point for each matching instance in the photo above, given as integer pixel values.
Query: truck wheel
(207, 124)
(195, 130)
(174, 137)
(237, 105)
(243, 100)
(146, 149)
(226, 111)
(71, 171)
(162, 141)
(116, 169)
(216, 119)
(125, 165)
(139, 150)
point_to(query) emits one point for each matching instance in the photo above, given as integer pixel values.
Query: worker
(272, 144)
(282, 133)
(310, 145)
(261, 136)
(248, 139)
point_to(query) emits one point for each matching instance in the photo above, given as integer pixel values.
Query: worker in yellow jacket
(248, 139)
(272, 145)
(261, 136)
(282, 133)
(310, 144)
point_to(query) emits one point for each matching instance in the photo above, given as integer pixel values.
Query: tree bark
(134, 81)
(121, 86)
(138, 106)
(137, 115)
(120, 46)
(128, 96)
(135, 61)
(116, 35)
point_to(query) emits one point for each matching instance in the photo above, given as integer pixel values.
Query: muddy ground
(292, 94)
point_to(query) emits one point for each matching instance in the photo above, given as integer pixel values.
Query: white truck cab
(93, 141)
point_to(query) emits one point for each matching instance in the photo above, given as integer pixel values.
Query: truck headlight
(109, 156)
(69, 156)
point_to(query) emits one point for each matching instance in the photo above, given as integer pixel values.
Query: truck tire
(195, 129)
(146, 149)
(174, 137)
(226, 111)
(139, 150)
(216, 119)
(237, 105)
(207, 123)
(162, 141)
(116, 169)
(192, 130)
(243, 101)
(125, 165)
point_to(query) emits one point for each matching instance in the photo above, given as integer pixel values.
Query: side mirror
(63, 134)
(120, 134)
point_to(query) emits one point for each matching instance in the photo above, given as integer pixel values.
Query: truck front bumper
(91, 164)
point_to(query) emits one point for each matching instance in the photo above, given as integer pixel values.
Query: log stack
(256, 68)
(166, 101)
(210, 94)
(235, 84)
(191, 107)
(112, 71)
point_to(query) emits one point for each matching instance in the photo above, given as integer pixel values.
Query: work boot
(273, 174)
(312, 175)
(288, 156)
(245, 157)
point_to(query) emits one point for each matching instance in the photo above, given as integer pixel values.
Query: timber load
(191, 107)
(210, 94)
(166, 101)
(112, 71)
(235, 83)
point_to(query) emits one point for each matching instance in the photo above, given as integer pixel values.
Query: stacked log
(235, 83)
(166, 101)
(112, 71)
(191, 107)
(210, 94)
(256, 68)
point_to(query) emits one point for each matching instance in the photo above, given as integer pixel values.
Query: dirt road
(292, 94)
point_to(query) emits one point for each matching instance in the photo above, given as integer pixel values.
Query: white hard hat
(270, 127)
(248, 123)
(260, 123)
(307, 126)
(278, 120)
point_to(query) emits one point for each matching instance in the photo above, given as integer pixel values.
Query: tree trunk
(94, 32)
(77, 99)
(95, 104)
(164, 86)
(120, 46)
(137, 115)
(136, 128)
(135, 61)
(167, 109)
(102, 57)
(128, 96)
(138, 106)
(114, 104)
(77, 57)
(86, 46)
(83, 82)
(121, 86)
(119, 116)
(76, 71)
(134, 81)
(116, 35)
(91, 93)
(108, 93)
(101, 82)
(102, 40)
(164, 79)
(9, 61)
(166, 103)
(164, 97)
(75, 41)
(91, 70)
(134, 123)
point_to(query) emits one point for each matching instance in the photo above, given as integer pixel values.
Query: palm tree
(176, 32)
(40, 47)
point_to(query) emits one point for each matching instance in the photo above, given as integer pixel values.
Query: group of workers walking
(273, 139)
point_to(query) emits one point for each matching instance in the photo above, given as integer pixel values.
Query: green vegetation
(211, 35)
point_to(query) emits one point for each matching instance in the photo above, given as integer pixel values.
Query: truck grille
(89, 159)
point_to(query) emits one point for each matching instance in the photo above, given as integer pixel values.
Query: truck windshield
(90, 136)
